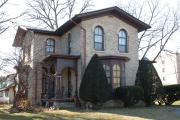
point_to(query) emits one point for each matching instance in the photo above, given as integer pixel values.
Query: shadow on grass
(145, 113)
(155, 112)
(56, 116)
(8, 116)
(41, 116)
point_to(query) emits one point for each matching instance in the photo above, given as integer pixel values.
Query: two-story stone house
(58, 58)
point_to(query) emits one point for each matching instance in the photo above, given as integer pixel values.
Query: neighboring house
(58, 58)
(6, 89)
(168, 68)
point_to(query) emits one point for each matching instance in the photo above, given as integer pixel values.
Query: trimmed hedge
(147, 77)
(130, 95)
(94, 86)
(172, 94)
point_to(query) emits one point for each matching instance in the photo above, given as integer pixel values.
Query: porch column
(76, 74)
(76, 91)
(47, 78)
(57, 86)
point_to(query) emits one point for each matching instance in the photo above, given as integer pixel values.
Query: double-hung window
(123, 41)
(50, 46)
(99, 38)
(116, 76)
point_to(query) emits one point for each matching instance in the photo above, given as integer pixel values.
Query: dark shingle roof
(116, 11)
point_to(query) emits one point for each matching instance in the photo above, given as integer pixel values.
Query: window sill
(123, 52)
(99, 51)
(49, 53)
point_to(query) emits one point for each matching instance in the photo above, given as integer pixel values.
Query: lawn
(160, 113)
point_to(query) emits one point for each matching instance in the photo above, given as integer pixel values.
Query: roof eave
(20, 34)
(144, 27)
(68, 25)
(121, 14)
(126, 17)
(48, 32)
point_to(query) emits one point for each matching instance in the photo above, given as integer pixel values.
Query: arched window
(123, 41)
(108, 72)
(99, 38)
(50, 46)
(116, 76)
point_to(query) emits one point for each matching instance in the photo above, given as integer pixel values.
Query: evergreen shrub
(172, 94)
(147, 77)
(94, 86)
(130, 95)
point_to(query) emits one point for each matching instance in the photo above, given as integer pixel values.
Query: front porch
(59, 79)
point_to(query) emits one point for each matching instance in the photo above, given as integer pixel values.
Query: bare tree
(49, 13)
(2, 64)
(163, 20)
(5, 21)
(20, 79)
(2, 16)
(72, 5)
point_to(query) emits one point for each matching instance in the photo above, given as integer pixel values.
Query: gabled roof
(21, 32)
(36, 30)
(9, 82)
(116, 11)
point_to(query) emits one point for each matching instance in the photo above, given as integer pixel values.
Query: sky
(16, 7)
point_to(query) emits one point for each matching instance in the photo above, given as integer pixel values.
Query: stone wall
(112, 26)
(39, 53)
(28, 41)
(178, 67)
(38, 89)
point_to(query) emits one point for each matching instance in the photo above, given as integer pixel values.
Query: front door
(68, 84)
(51, 85)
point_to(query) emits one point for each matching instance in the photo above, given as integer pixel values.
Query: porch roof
(61, 56)
(113, 57)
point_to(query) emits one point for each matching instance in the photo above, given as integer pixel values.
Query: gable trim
(115, 11)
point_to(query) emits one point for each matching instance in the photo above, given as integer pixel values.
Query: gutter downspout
(84, 37)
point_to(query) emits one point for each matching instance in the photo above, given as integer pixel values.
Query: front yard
(160, 113)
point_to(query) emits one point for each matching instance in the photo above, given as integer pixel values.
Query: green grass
(153, 113)
(176, 103)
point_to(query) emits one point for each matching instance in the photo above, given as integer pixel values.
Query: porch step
(64, 105)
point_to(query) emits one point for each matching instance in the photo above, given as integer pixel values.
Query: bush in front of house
(172, 94)
(147, 77)
(94, 86)
(130, 95)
